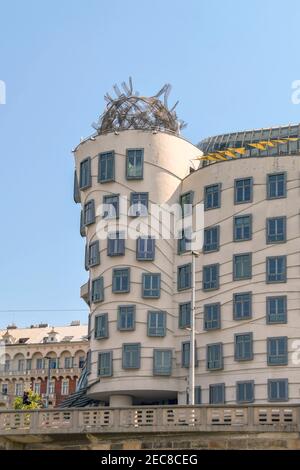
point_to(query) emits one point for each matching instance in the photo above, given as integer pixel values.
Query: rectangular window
(212, 316)
(37, 388)
(185, 315)
(101, 326)
(105, 368)
(19, 389)
(245, 391)
(276, 230)
(243, 190)
(126, 317)
(151, 285)
(111, 206)
(51, 387)
(138, 204)
(212, 196)
(214, 356)
(21, 365)
(81, 362)
(276, 269)
(89, 212)
(242, 306)
(277, 309)
(217, 394)
(198, 397)
(185, 354)
(156, 323)
(184, 240)
(121, 280)
(93, 254)
(211, 277)
(211, 239)
(134, 163)
(106, 167)
(184, 276)
(40, 364)
(97, 291)
(85, 180)
(278, 390)
(277, 351)
(162, 362)
(6, 365)
(276, 185)
(28, 364)
(131, 357)
(53, 363)
(145, 249)
(116, 244)
(65, 387)
(68, 362)
(243, 347)
(242, 266)
(186, 202)
(242, 228)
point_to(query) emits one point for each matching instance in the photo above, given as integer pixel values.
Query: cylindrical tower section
(131, 282)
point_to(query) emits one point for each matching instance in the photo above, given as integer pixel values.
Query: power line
(45, 310)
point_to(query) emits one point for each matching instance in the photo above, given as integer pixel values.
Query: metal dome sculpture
(131, 111)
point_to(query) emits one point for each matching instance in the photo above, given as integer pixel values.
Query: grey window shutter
(97, 248)
(86, 258)
(82, 227)
(93, 216)
(89, 172)
(76, 192)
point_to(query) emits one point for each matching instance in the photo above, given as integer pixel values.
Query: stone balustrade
(16, 374)
(255, 418)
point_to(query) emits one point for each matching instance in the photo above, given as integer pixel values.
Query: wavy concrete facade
(260, 208)
(167, 162)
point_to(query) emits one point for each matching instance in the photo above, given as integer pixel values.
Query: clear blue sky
(231, 64)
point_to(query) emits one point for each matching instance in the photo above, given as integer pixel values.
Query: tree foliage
(34, 401)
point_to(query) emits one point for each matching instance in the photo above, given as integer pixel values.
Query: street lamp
(192, 328)
(195, 255)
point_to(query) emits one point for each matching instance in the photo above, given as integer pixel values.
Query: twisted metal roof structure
(131, 111)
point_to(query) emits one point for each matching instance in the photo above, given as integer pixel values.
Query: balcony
(84, 292)
(17, 374)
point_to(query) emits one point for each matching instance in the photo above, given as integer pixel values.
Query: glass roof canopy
(241, 139)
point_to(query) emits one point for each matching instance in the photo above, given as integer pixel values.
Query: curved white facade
(167, 160)
(166, 176)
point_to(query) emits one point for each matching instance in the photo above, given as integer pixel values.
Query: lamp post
(195, 255)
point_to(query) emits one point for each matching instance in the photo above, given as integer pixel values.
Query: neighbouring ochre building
(30, 356)
(247, 272)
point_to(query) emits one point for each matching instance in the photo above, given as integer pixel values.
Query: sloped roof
(37, 334)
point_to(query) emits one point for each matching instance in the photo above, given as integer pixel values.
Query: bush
(34, 401)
